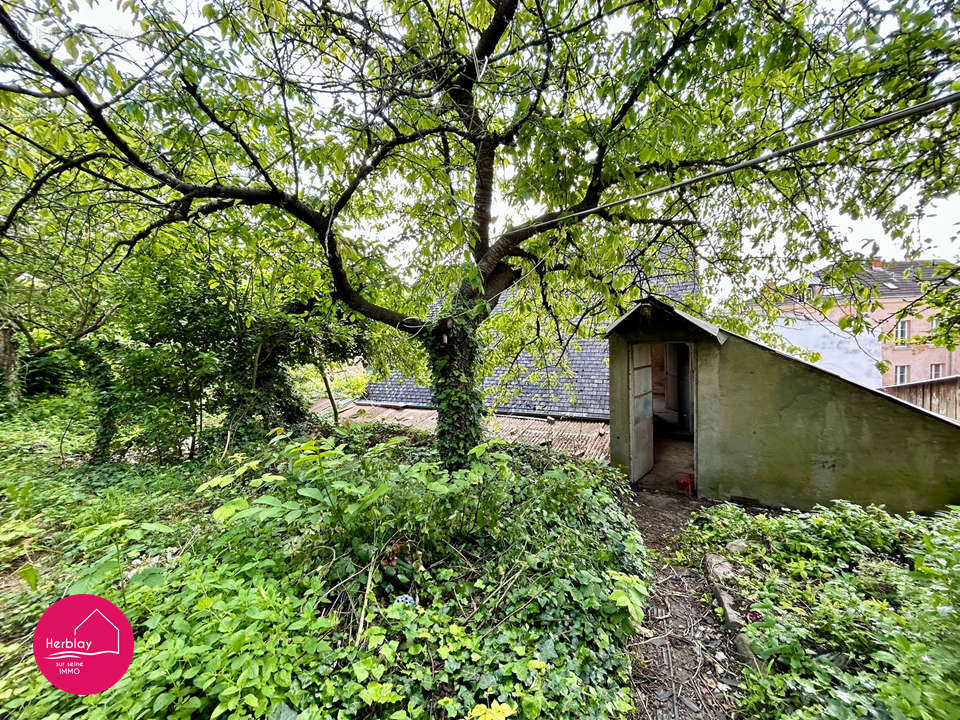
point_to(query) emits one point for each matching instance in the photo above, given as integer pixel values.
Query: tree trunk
(330, 396)
(9, 361)
(100, 377)
(453, 352)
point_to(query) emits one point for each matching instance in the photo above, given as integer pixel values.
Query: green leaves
(156, 527)
(162, 701)
(28, 573)
(847, 627)
(312, 493)
(150, 577)
(88, 534)
(630, 595)
(506, 564)
(229, 509)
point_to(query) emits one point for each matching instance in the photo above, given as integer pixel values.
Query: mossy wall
(783, 433)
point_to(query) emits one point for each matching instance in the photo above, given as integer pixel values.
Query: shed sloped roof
(720, 332)
(686, 318)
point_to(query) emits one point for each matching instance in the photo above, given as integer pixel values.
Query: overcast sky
(938, 230)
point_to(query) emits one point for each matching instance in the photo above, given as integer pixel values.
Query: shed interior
(662, 416)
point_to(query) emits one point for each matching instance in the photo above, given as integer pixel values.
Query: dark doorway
(662, 417)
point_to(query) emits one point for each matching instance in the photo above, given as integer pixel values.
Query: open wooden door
(641, 411)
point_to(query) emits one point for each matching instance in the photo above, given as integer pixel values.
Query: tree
(9, 360)
(454, 151)
(58, 257)
(208, 331)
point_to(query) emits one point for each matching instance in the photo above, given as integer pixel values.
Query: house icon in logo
(103, 635)
(95, 635)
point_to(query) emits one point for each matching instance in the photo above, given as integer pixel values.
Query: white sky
(938, 232)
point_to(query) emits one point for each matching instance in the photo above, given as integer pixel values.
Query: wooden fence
(941, 396)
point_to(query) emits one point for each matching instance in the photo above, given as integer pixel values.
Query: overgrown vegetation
(855, 612)
(345, 575)
(193, 353)
(453, 354)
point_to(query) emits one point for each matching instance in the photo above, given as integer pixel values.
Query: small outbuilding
(745, 422)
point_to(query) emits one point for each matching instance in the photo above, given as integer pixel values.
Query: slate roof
(581, 390)
(898, 279)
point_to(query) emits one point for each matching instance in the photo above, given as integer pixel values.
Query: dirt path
(685, 667)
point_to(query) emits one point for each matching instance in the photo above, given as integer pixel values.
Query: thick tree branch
(597, 183)
(194, 91)
(133, 158)
(43, 94)
(353, 299)
(613, 216)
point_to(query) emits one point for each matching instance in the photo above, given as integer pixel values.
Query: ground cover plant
(340, 575)
(854, 612)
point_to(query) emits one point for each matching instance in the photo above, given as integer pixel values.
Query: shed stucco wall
(782, 433)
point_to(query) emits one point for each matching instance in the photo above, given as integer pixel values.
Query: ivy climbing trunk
(453, 353)
(9, 361)
(100, 376)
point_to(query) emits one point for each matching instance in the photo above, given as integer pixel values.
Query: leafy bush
(336, 578)
(351, 384)
(856, 611)
(51, 373)
(192, 349)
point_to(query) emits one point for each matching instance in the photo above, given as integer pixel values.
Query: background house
(562, 409)
(909, 356)
(755, 425)
(580, 390)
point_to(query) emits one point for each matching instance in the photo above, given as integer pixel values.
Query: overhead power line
(921, 109)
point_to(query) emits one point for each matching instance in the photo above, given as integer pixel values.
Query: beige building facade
(909, 354)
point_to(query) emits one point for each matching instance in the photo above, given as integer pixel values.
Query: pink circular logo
(83, 644)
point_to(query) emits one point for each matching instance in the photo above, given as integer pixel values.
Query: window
(936, 371)
(903, 331)
(934, 323)
(902, 374)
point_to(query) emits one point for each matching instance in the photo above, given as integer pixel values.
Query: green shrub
(857, 610)
(278, 582)
(347, 383)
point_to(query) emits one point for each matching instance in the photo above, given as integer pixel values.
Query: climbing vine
(101, 378)
(452, 351)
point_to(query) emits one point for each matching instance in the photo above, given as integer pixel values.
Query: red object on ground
(685, 483)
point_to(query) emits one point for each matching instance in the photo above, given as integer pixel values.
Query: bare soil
(684, 667)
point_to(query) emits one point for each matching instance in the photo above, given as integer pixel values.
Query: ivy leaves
(855, 609)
